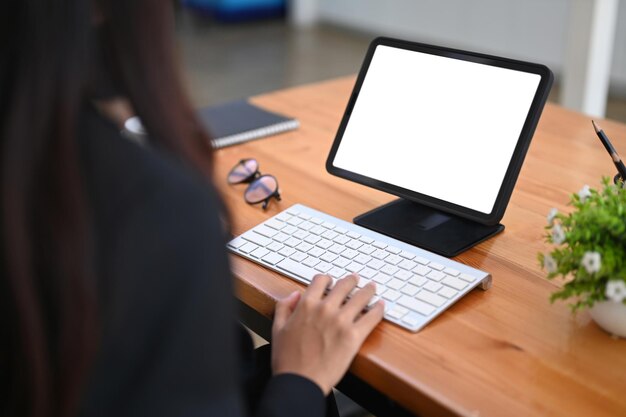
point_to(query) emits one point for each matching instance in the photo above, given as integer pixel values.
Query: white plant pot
(610, 316)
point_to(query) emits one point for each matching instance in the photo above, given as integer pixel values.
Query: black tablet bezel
(519, 153)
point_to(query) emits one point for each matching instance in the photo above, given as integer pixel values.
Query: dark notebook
(239, 121)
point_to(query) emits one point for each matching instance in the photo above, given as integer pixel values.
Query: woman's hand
(317, 336)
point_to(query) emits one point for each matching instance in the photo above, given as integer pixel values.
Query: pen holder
(619, 181)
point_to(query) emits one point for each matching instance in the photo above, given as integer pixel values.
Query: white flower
(584, 193)
(549, 263)
(558, 235)
(616, 291)
(591, 261)
(552, 215)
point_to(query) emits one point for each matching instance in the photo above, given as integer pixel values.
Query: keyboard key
(293, 242)
(265, 231)
(340, 230)
(362, 259)
(315, 251)
(430, 298)
(337, 248)
(393, 259)
(454, 283)
(421, 260)
(324, 243)
(433, 286)
(273, 258)
(328, 257)
(447, 292)
(287, 251)
(275, 246)
(300, 234)
(395, 284)
(422, 270)
(403, 275)
(304, 247)
(367, 249)
(237, 242)
(289, 229)
(306, 226)
(249, 247)
(393, 249)
(329, 225)
(312, 239)
(367, 272)
(354, 244)
(281, 237)
(304, 216)
(323, 267)
(311, 261)
(283, 217)
(342, 239)
(379, 245)
(353, 235)
(329, 234)
(297, 269)
(452, 272)
(341, 262)
(411, 320)
(362, 281)
(257, 238)
(391, 295)
(407, 255)
(316, 220)
(298, 256)
(293, 211)
(467, 277)
(381, 278)
(375, 264)
(397, 314)
(409, 290)
(294, 221)
(435, 265)
(367, 240)
(435, 275)
(275, 224)
(349, 253)
(408, 265)
(416, 305)
(380, 254)
(354, 267)
(337, 272)
(260, 252)
(317, 230)
(389, 269)
(418, 280)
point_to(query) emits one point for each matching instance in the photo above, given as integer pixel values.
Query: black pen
(611, 150)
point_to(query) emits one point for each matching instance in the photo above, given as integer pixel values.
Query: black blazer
(169, 341)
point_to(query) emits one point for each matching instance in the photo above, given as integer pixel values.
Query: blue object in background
(237, 10)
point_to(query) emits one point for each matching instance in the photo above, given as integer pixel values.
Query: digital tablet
(441, 127)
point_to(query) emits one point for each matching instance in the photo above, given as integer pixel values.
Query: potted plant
(590, 253)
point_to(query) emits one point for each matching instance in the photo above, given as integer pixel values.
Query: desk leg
(351, 386)
(588, 56)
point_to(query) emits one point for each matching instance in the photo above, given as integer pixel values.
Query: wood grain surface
(503, 352)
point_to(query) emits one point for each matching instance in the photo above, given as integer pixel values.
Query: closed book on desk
(240, 121)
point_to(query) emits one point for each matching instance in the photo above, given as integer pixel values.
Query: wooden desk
(506, 351)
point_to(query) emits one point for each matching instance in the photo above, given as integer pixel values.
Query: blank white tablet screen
(442, 127)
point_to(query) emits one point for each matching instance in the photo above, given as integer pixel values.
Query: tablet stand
(427, 228)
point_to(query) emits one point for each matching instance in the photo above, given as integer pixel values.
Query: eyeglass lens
(243, 171)
(261, 189)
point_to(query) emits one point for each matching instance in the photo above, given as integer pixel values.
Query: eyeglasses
(261, 188)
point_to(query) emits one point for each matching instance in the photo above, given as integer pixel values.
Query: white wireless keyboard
(416, 285)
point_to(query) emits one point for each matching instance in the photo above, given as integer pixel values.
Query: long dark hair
(48, 320)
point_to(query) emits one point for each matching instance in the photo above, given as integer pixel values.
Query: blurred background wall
(237, 48)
